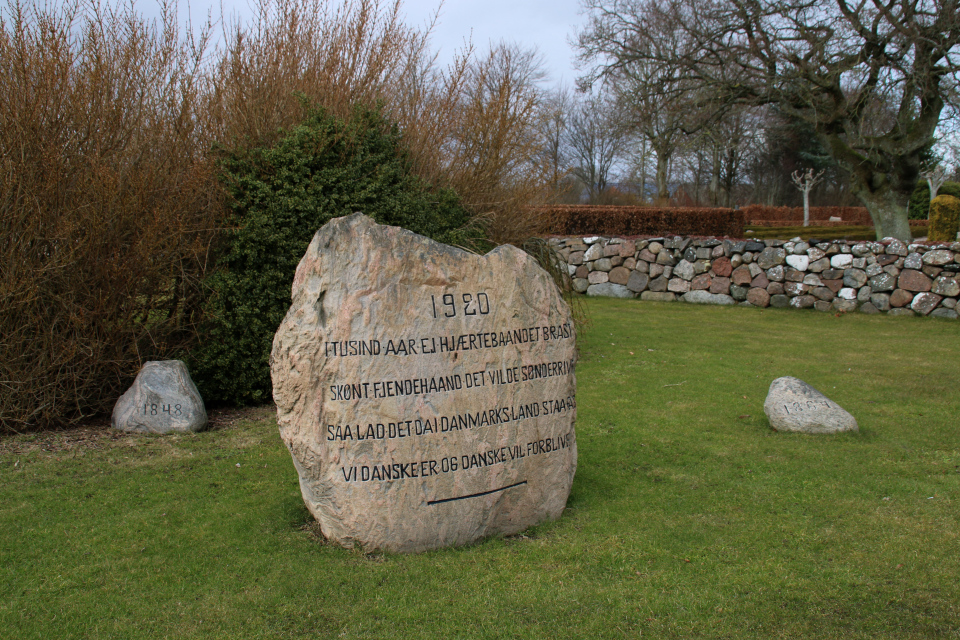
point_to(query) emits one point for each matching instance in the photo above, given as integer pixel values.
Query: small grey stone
(595, 252)
(793, 405)
(580, 285)
(946, 287)
(798, 262)
(803, 302)
(609, 290)
(822, 305)
(913, 261)
(860, 250)
(895, 247)
(924, 303)
(854, 278)
(881, 301)
(163, 399)
(658, 285)
(841, 261)
(603, 264)
(901, 311)
(739, 293)
(943, 313)
(780, 301)
(820, 265)
(685, 269)
(665, 259)
(638, 281)
(705, 297)
(937, 257)
(771, 257)
(844, 305)
(883, 282)
(868, 308)
(598, 277)
(658, 296)
(795, 288)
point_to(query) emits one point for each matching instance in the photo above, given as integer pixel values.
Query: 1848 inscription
(426, 394)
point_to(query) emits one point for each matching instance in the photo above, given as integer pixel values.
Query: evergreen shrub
(324, 168)
(920, 199)
(944, 219)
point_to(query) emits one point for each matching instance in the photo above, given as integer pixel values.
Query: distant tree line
(720, 102)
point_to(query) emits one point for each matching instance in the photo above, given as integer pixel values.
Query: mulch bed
(95, 432)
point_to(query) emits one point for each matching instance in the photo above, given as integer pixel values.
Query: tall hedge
(633, 220)
(324, 168)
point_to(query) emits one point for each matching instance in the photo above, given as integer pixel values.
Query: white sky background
(544, 24)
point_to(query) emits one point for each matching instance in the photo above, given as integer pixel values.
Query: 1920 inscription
(470, 304)
(426, 410)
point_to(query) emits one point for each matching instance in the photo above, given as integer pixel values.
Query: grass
(852, 232)
(689, 517)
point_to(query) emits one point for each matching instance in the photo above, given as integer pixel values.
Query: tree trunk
(888, 209)
(663, 172)
(806, 207)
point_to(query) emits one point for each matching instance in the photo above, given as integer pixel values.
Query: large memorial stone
(426, 394)
(793, 405)
(162, 399)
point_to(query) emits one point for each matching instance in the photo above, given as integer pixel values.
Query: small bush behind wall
(919, 208)
(944, 219)
(324, 168)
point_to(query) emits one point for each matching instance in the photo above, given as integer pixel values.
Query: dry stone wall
(888, 276)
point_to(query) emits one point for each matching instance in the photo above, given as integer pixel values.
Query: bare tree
(553, 157)
(935, 175)
(597, 139)
(871, 77)
(806, 181)
(657, 100)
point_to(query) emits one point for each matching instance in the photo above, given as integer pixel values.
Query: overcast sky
(545, 24)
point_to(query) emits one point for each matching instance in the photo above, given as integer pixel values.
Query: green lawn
(689, 517)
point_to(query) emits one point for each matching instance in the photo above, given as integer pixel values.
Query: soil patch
(95, 432)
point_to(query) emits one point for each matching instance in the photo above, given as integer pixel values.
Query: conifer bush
(280, 195)
(944, 219)
(919, 207)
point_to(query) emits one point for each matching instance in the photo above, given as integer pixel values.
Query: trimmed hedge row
(644, 221)
(757, 214)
